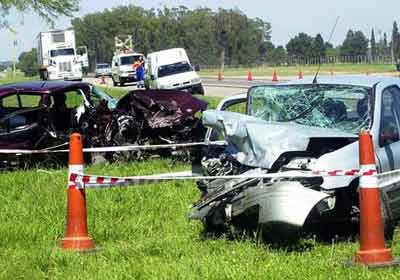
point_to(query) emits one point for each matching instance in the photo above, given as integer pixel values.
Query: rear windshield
(102, 66)
(125, 60)
(172, 69)
(54, 53)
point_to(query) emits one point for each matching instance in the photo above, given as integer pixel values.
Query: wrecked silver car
(299, 126)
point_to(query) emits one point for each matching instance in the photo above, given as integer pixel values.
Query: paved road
(212, 87)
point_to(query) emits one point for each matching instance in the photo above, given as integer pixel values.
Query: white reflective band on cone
(73, 169)
(369, 180)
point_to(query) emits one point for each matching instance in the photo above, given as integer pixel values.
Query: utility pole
(14, 50)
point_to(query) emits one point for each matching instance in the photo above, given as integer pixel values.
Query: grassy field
(19, 77)
(326, 69)
(143, 233)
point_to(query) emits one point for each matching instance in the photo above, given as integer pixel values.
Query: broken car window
(344, 107)
(74, 99)
(97, 95)
(389, 131)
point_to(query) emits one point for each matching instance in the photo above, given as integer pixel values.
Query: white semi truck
(57, 56)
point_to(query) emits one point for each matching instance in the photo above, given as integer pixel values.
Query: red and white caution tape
(109, 149)
(94, 181)
(350, 172)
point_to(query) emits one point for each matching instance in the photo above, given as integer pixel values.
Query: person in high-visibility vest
(138, 66)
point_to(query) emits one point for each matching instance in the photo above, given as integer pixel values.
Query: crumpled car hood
(258, 143)
(161, 108)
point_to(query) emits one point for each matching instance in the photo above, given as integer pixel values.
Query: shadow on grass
(280, 241)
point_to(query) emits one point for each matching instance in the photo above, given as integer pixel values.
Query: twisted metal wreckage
(306, 127)
(42, 115)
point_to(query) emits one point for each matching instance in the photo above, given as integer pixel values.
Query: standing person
(139, 68)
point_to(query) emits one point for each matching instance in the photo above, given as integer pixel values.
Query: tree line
(224, 36)
(210, 37)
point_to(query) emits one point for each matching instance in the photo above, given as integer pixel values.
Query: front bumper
(66, 76)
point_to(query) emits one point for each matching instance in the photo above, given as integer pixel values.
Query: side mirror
(197, 68)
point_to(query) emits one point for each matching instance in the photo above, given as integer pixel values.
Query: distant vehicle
(57, 55)
(122, 68)
(102, 69)
(299, 126)
(171, 69)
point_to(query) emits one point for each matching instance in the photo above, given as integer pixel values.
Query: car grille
(65, 66)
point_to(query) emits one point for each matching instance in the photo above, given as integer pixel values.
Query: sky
(288, 18)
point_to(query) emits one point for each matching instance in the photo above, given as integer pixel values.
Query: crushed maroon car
(40, 115)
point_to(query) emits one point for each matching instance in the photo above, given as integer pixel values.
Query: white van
(171, 69)
(122, 68)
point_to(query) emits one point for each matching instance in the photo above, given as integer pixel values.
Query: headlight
(195, 80)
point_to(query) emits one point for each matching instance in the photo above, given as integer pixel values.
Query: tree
(355, 44)
(300, 46)
(27, 63)
(208, 36)
(47, 9)
(319, 47)
(373, 45)
(395, 45)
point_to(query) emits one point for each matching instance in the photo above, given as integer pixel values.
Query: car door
(386, 130)
(235, 104)
(21, 124)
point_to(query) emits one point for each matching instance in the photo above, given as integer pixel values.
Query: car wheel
(114, 82)
(198, 90)
(45, 75)
(389, 224)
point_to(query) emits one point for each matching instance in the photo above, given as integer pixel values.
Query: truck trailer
(57, 56)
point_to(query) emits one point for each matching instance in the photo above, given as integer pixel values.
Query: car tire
(389, 224)
(114, 82)
(198, 90)
(45, 75)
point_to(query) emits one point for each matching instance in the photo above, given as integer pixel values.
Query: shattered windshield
(343, 107)
(96, 95)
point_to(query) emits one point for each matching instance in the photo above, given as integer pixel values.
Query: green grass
(307, 70)
(143, 233)
(19, 77)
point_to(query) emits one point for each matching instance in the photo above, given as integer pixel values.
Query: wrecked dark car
(150, 117)
(302, 127)
(41, 115)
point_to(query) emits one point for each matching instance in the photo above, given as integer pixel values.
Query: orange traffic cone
(274, 77)
(301, 76)
(103, 80)
(372, 241)
(219, 77)
(76, 237)
(249, 76)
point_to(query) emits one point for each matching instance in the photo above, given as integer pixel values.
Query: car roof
(359, 80)
(128, 54)
(43, 87)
